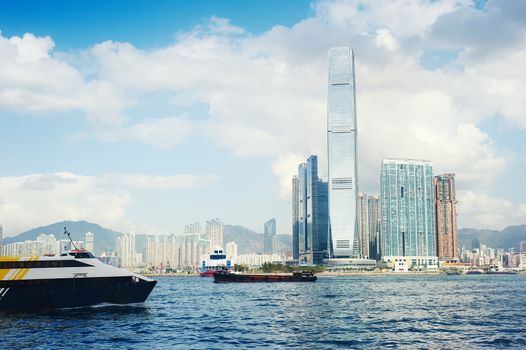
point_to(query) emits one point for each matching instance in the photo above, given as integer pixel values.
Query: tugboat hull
(72, 292)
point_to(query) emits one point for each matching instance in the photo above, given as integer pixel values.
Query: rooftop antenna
(66, 232)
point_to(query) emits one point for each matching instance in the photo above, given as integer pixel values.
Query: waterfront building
(363, 225)
(269, 237)
(193, 229)
(126, 250)
(90, 242)
(375, 223)
(295, 218)
(342, 154)
(231, 251)
(408, 218)
(446, 217)
(310, 214)
(214, 233)
(171, 252)
(254, 260)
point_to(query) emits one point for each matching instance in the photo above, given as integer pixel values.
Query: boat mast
(66, 232)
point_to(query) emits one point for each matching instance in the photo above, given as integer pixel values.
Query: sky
(150, 115)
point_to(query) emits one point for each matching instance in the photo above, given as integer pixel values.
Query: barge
(228, 277)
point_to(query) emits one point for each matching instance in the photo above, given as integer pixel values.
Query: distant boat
(216, 262)
(228, 277)
(475, 272)
(453, 272)
(505, 272)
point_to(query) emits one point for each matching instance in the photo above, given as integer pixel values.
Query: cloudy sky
(150, 116)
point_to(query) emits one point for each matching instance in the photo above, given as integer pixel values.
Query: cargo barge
(228, 277)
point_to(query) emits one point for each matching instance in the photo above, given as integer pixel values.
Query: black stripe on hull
(72, 292)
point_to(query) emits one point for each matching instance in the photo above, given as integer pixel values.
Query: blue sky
(148, 116)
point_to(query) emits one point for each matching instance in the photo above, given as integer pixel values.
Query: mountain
(249, 241)
(104, 239)
(509, 237)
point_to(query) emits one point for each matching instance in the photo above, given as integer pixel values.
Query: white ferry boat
(216, 262)
(75, 278)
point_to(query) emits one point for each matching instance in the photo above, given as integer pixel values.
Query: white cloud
(31, 80)
(164, 133)
(483, 211)
(39, 199)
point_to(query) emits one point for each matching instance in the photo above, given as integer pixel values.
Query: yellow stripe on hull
(3, 273)
(9, 258)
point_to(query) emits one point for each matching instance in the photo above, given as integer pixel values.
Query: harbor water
(409, 311)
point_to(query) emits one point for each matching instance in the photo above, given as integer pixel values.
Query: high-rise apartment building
(363, 226)
(214, 233)
(408, 218)
(295, 218)
(342, 153)
(310, 214)
(375, 223)
(90, 241)
(269, 237)
(231, 251)
(193, 229)
(446, 217)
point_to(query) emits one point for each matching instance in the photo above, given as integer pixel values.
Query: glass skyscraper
(342, 155)
(407, 201)
(269, 237)
(310, 217)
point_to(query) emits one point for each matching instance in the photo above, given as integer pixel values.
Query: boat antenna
(66, 232)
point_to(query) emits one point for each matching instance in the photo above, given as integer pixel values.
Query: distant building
(342, 154)
(126, 250)
(214, 233)
(193, 229)
(475, 244)
(90, 242)
(231, 251)
(171, 252)
(522, 244)
(363, 225)
(375, 223)
(295, 218)
(310, 214)
(446, 217)
(408, 219)
(269, 237)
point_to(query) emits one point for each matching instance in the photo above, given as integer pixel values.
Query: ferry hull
(72, 292)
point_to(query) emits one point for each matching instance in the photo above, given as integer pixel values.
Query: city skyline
(150, 123)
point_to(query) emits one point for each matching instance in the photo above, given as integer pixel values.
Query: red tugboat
(229, 277)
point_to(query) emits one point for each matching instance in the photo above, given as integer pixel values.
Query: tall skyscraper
(214, 233)
(408, 219)
(310, 212)
(375, 223)
(269, 237)
(90, 241)
(446, 217)
(342, 153)
(295, 218)
(363, 226)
